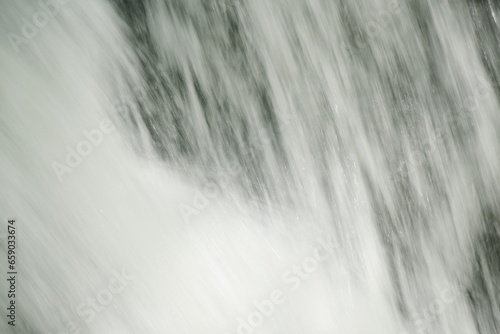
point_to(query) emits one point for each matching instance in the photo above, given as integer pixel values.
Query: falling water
(262, 166)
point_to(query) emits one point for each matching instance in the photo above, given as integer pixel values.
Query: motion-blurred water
(274, 166)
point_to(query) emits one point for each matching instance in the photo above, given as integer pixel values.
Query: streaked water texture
(273, 166)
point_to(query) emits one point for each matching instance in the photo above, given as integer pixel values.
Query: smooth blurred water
(247, 135)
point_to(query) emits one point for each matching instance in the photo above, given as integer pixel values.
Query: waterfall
(251, 166)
